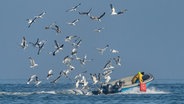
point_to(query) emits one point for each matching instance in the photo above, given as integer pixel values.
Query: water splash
(151, 90)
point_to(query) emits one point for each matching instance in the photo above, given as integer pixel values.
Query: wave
(66, 92)
(151, 90)
(28, 93)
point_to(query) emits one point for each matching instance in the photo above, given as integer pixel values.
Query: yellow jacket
(140, 77)
(137, 76)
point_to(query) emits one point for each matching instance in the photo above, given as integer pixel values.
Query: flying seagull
(83, 60)
(32, 78)
(60, 75)
(102, 50)
(33, 64)
(54, 27)
(77, 43)
(69, 38)
(40, 15)
(37, 82)
(55, 80)
(73, 23)
(107, 78)
(77, 83)
(58, 47)
(67, 60)
(118, 60)
(50, 73)
(84, 82)
(94, 78)
(40, 46)
(97, 18)
(85, 13)
(107, 72)
(24, 44)
(114, 51)
(108, 65)
(99, 29)
(73, 8)
(74, 51)
(113, 11)
(36, 44)
(31, 21)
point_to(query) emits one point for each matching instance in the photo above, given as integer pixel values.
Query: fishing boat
(124, 84)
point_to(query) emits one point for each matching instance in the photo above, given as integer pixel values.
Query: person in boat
(138, 77)
(118, 85)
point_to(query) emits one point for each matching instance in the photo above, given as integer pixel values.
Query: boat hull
(111, 87)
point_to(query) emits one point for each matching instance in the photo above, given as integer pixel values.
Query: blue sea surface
(159, 92)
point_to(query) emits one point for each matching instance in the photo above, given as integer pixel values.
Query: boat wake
(151, 90)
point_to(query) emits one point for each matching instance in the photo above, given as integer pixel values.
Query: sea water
(159, 92)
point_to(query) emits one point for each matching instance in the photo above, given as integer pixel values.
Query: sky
(149, 37)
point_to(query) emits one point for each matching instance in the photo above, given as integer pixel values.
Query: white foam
(151, 90)
(46, 92)
(16, 93)
(27, 93)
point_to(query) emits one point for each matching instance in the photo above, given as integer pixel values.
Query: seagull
(94, 78)
(107, 72)
(58, 47)
(55, 80)
(84, 82)
(40, 47)
(33, 64)
(101, 50)
(54, 27)
(71, 67)
(31, 21)
(108, 65)
(78, 76)
(117, 60)
(37, 82)
(85, 13)
(74, 51)
(84, 60)
(50, 73)
(77, 44)
(69, 38)
(113, 11)
(66, 72)
(73, 23)
(77, 83)
(73, 8)
(97, 18)
(36, 44)
(99, 29)
(99, 77)
(32, 78)
(41, 15)
(67, 60)
(24, 44)
(107, 78)
(114, 51)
